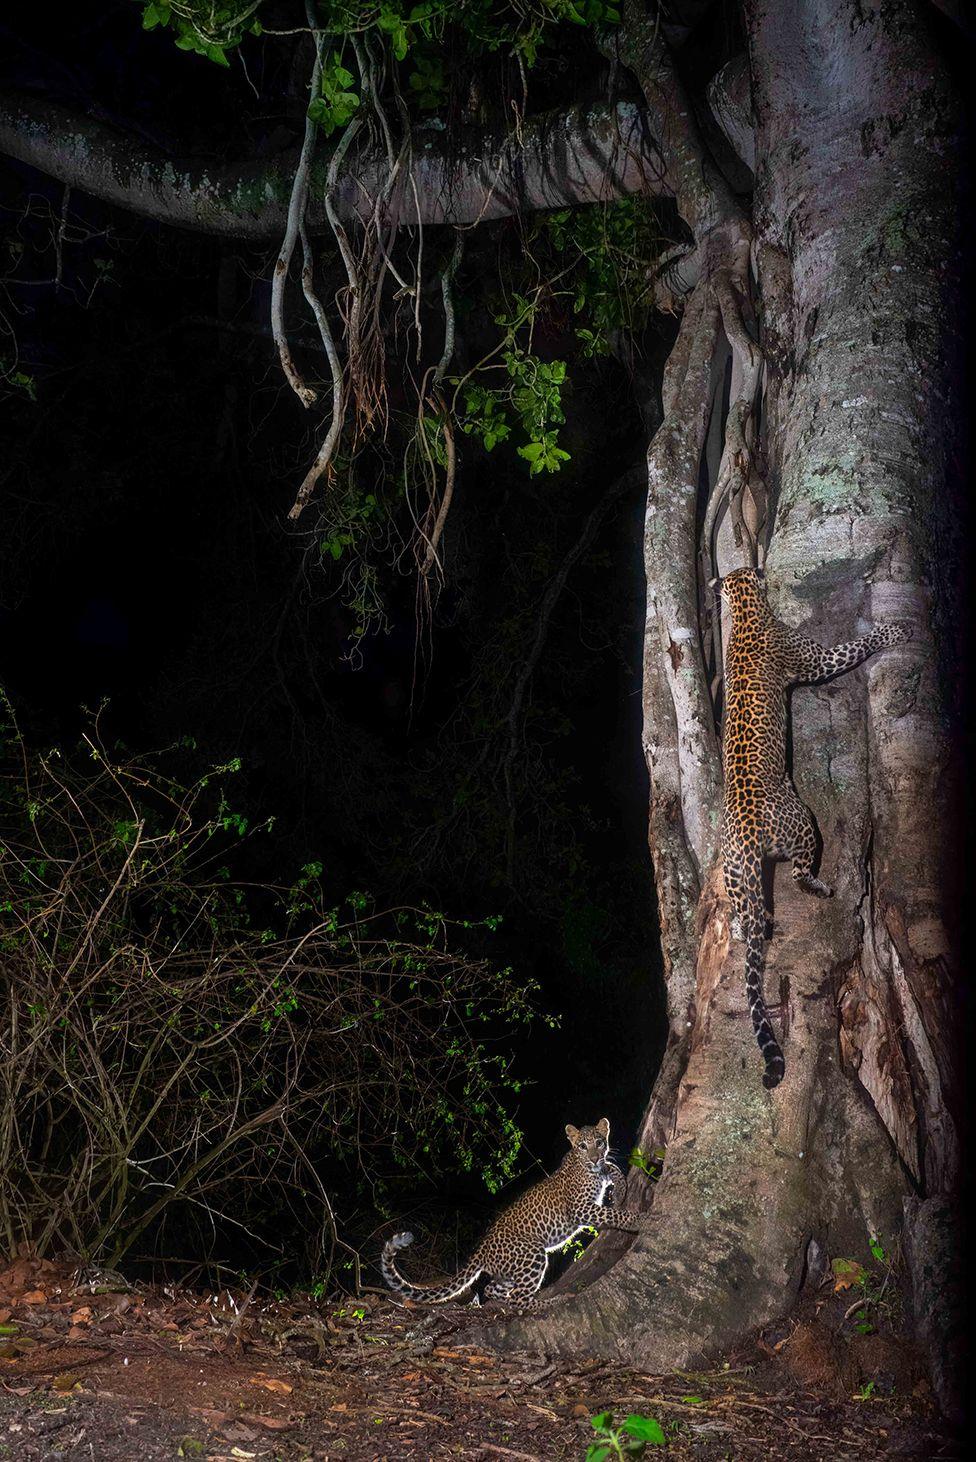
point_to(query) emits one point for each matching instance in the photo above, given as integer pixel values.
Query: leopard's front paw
(809, 884)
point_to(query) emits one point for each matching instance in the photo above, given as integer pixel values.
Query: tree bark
(585, 155)
(855, 263)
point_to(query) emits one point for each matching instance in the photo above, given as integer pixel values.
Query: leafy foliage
(173, 1041)
(629, 1439)
(606, 256)
(650, 1164)
(339, 100)
(213, 27)
(206, 28)
(870, 1285)
(534, 396)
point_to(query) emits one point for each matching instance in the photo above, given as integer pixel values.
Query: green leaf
(601, 1422)
(595, 1452)
(393, 24)
(532, 451)
(25, 382)
(645, 1429)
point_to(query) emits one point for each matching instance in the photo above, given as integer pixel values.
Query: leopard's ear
(572, 1133)
(603, 1126)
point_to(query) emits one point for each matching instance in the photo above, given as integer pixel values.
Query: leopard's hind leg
(732, 870)
(790, 833)
(519, 1287)
(499, 1289)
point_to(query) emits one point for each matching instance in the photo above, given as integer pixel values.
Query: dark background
(147, 561)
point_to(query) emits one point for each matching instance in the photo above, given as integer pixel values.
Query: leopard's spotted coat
(514, 1253)
(764, 818)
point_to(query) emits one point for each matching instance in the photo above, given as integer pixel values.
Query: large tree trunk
(854, 260)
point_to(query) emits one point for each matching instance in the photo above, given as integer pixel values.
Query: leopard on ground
(514, 1253)
(764, 818)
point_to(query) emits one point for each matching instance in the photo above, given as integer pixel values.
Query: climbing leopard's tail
(755, 970)
(424, 1293)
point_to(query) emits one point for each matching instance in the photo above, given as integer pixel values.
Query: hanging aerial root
(327, 449)
(437, 400)
(293, 226)
(671, 644)
(739, 484)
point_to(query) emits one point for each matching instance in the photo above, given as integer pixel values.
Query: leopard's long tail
(423, 1293)
(755, 971)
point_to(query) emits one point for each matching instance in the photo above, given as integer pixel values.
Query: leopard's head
(591, 1144)
(744, 590)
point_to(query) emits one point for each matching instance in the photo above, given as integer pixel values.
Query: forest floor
(91, 1369)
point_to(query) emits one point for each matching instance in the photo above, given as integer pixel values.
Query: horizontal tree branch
(583, 155)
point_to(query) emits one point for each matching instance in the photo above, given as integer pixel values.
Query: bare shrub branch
(162, 1049)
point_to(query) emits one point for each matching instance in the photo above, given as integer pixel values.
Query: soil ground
(91, 1369)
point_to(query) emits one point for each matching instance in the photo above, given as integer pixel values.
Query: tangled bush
(174, 1042)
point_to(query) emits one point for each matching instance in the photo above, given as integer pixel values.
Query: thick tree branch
(579, 156)
(730, 101)
(704, 198)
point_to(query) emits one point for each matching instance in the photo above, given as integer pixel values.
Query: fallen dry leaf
(271, 1384)
(35, 1297)
(270, 1423)
(235, 1431)
(847, 1272)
